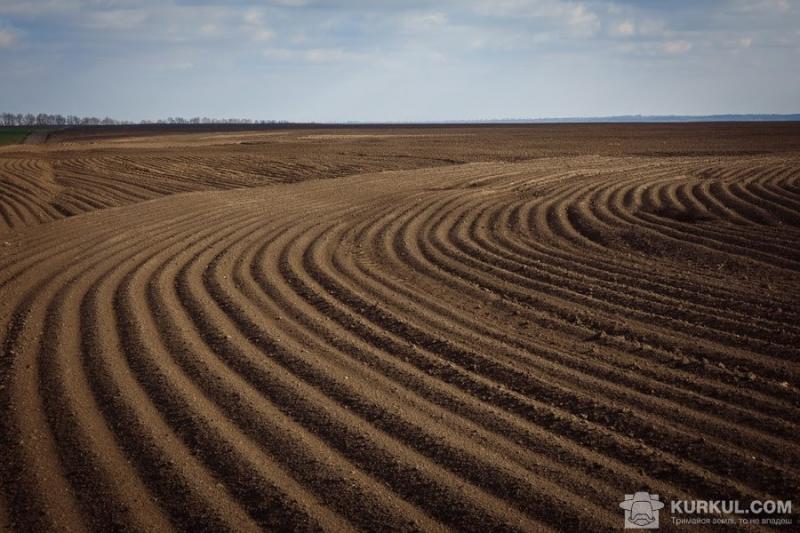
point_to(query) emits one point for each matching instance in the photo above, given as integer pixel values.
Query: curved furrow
(625, 301)
(320, 269)
(508, 398)
(484, 346)
(301, 313)
(532, 251)
(675, 228)
(486, 269)
(19, 210)
(713, 460)
(621, 376)
(674, 365)
(268, 495)
(756, 219)
(64, 245)
(542, 225)
(779, 186)
(561, 228)
(28, 442)
(300, 451)
(428, 392)
(376, 451)
(192, 498)
(769, 192)
(778, 447)
(678, 229)
(356, 495)
(730, 338)
(87, 439)
(561, 455)
(442, 308)
(495, 227)
(740, 193)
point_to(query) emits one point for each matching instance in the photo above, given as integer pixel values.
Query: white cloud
(578, 16)
(280, 54)
(290, 3)
(745, 42)
(7, 38)
(325, 55)
(423, 21)
(507, 41)
(676, 47)
(655, 48)
(760, 6)
(117, 19)
(253, 17)
(256, 27)
(574, 16)
(28, 8)
(314, 55)
(625, 28)
(263, 34)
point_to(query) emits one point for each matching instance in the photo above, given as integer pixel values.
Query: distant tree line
(45, 119)
(206, 120)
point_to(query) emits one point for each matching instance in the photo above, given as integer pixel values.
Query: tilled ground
(455, 333)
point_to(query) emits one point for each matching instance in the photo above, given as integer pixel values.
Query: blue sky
(398, 60)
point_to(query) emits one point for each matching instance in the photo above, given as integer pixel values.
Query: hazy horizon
(392, 61)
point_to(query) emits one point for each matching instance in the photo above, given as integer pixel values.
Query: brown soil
(430, 328)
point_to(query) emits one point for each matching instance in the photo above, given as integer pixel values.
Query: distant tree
(45, 119)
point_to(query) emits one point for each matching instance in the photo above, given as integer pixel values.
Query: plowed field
(427, 329)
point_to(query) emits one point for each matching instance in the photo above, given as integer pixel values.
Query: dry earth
(469, 328)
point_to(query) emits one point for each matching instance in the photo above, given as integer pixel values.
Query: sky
(398, 60)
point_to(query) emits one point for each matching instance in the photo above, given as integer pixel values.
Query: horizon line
(50, 120)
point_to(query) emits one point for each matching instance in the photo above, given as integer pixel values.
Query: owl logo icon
(641, 510)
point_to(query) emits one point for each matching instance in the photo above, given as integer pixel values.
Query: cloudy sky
(398, 60)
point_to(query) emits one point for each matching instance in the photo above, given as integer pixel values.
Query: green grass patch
(14, 135)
